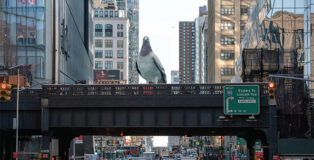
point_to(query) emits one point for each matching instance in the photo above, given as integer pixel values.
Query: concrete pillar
(1, 145)
(272, 135)
(250, 146)
(45, 147)
(64, 145)
(7, 145)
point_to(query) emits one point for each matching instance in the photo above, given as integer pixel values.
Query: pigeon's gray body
(148, 65)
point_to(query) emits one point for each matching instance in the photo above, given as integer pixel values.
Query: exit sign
(241, 100)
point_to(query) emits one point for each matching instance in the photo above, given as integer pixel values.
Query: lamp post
(17, 110)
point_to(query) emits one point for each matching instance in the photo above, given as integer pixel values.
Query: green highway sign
(241, 100)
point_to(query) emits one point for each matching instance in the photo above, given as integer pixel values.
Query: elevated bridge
(66, 111)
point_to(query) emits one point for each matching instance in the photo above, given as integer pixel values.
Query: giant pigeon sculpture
(148, 65)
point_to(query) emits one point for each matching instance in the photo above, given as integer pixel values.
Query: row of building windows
(108, 30)
(227, 71)
(111, 14)
(227, 55)
(107, 65)
(226, 26)
(227, 11)
(108, 43)
(230, 11)
(227, 40)
(108, 54)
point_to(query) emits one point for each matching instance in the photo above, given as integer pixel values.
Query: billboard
(103, 76)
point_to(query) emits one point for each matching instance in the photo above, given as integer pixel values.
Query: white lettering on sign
(246, 101)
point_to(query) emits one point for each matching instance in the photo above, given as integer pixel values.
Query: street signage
(258, 144)
(241, 100)
(79, 140)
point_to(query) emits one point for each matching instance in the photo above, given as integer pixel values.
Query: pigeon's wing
(160, 68)
(138, 69)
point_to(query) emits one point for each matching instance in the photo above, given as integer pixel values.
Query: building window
(121, 75)
(98, 43)
(116, 14)
(106, 13)
(108, 64)
(108, 53)
(98, 64)
(98, 54)
(96, 13)
(227, 40)
(227, 11)
(226, 26)
(101, 14)
(108, 30)
(244, 10)
(242, 27)
(120, 26)
(108, 43)
(227, 55)
(227, 71)
(119, 43)
(111, 14)
(119, 65)
(120, 54)
(98, 30)
(120, 34)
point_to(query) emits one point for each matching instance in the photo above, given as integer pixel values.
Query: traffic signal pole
(290, 77)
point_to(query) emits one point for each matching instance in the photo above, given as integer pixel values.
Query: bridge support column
(2, 145)
(272, 135)
(45, 147)
(250, 146)
(7, 145)
(64, 145)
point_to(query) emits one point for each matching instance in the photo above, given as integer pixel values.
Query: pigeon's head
(146, 48)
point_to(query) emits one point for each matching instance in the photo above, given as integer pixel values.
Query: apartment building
(226, 24)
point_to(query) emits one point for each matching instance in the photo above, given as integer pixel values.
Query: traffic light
(271, 93)
(5, 92)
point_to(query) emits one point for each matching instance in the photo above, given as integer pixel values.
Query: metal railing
(142, 89)
(28, 93)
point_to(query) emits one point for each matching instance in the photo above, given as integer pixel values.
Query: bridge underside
(152, 121)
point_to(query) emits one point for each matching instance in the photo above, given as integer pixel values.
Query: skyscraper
(226, 20)
(175, 77)
(49, 52)
(133, 15)
(187, 51)
(200, 44)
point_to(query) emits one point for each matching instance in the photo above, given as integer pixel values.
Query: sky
(159, 20)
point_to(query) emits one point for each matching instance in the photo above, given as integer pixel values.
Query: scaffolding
(294, 117)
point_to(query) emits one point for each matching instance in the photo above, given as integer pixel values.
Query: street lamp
(17, 109)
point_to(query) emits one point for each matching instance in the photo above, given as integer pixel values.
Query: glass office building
(133, 15)
(22, 35)
(284, 25)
